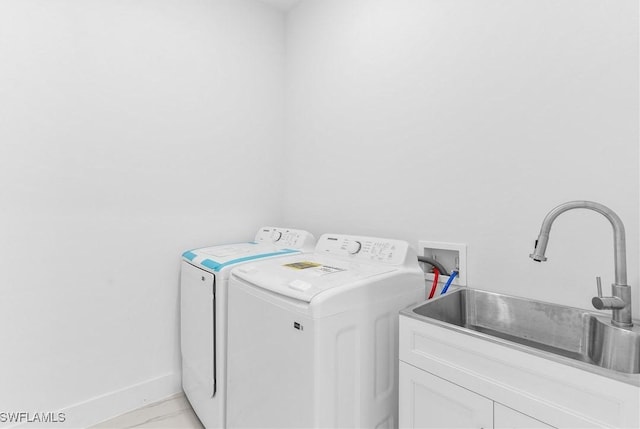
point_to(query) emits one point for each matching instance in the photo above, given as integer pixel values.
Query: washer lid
(304, 276)
(216, 258)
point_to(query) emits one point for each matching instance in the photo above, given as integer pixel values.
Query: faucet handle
(606, 302)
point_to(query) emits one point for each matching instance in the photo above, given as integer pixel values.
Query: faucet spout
(622, 305)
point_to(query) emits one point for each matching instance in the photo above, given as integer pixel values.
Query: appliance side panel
(357, 365)
(347, 376)
(384, 354)
(197, 337)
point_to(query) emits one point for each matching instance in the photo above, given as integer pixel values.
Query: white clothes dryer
(203, 313)
(313, 338)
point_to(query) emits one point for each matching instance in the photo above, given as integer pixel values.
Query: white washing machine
(313, 338)
(203, 313)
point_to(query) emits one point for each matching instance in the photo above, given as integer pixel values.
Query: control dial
(354, 247)
(277, 235)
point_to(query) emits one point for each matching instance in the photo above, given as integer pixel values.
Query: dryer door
(197, 328)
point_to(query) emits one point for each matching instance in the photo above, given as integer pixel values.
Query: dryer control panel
(285, 237)
(365, 249)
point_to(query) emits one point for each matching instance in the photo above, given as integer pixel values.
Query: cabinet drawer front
(507, 418)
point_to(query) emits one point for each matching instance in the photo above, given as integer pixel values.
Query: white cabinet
(450, 379)
(427, 401)
(430, 402)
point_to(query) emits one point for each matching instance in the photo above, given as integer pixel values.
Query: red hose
(434, 286)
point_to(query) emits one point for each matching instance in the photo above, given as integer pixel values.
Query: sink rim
(629, 378)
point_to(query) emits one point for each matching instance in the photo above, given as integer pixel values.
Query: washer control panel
(285, 237)
(379, 250)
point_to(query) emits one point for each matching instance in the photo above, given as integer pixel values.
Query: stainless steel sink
(569, 334)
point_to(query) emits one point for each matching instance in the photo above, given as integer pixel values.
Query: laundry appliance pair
(203, 313)
(310, 337)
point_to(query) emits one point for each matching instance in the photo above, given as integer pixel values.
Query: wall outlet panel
(448, 254)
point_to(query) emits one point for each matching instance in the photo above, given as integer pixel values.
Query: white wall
(130, 130)
(467, 121)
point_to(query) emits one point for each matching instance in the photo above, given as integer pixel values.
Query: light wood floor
(171, 413)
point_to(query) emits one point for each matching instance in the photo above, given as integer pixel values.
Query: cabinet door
(507, 418)
(427, 401)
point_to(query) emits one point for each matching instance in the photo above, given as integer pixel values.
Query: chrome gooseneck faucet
(620, 301)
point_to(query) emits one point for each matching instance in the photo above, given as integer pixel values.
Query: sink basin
(570, 334)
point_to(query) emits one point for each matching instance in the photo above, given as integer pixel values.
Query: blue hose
(453, 275)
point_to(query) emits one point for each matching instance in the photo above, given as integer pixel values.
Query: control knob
(277, 235)
(354, 247)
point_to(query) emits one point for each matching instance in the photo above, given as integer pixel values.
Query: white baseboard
(112, 404)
